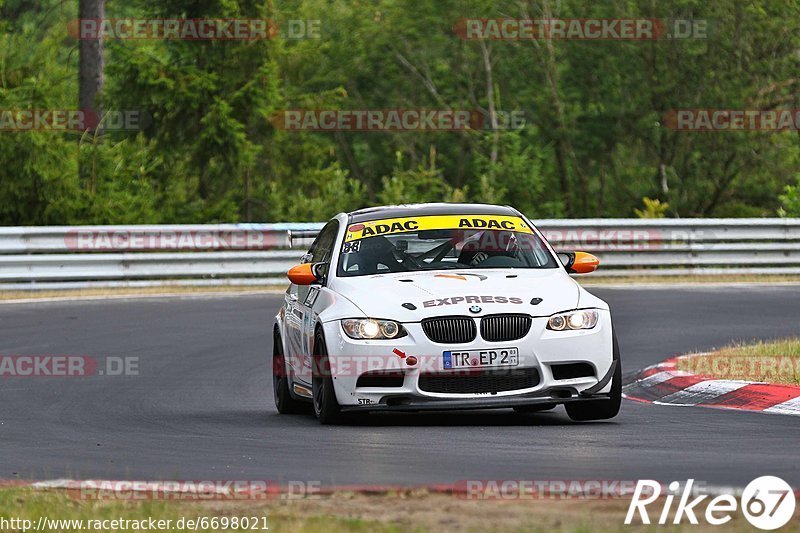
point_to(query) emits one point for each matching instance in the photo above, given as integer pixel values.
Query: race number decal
(311, 297)
(351, 247)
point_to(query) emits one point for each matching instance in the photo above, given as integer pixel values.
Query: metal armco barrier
(258, 254)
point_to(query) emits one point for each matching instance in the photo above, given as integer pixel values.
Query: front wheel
(326, 408)
(600, 409)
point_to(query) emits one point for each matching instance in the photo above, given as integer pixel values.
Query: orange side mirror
(583, 263)
(303, 274)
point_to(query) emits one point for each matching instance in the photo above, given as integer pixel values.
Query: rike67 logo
(767, 502)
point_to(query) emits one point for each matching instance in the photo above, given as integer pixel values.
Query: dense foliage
(593, 141)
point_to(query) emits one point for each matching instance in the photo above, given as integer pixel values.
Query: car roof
(441, 208)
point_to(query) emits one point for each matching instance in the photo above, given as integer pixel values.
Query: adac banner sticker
(389, 226)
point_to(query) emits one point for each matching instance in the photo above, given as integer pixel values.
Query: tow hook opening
(397, 400)
(561, 394)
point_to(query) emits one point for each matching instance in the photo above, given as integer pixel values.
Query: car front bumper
(540, 349)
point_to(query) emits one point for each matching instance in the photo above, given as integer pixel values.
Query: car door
(320, 252)
(293, 327)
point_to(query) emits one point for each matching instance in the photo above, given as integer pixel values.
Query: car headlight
(370, 328)
(585, 319)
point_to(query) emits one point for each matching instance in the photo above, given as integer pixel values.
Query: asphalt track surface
(201, 406)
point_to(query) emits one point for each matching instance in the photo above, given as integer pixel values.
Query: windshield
(441, 242)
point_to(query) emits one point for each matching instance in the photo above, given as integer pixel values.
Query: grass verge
(775, 361)
(133, 292)
(350, 512)
(599, 279)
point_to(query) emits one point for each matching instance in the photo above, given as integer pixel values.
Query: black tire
(280, 383)
(326, 408)
(535, 408)
(600, 409)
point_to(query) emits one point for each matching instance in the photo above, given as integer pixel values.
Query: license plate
(481, 358)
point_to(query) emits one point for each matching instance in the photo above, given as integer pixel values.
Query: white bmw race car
(442, 306)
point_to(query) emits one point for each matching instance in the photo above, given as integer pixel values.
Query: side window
(323, 246)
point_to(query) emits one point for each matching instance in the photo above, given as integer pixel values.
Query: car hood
(537, 292)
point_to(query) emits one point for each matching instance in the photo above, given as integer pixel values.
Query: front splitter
(415, 403)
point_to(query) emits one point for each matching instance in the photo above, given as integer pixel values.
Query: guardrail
(256, 254)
